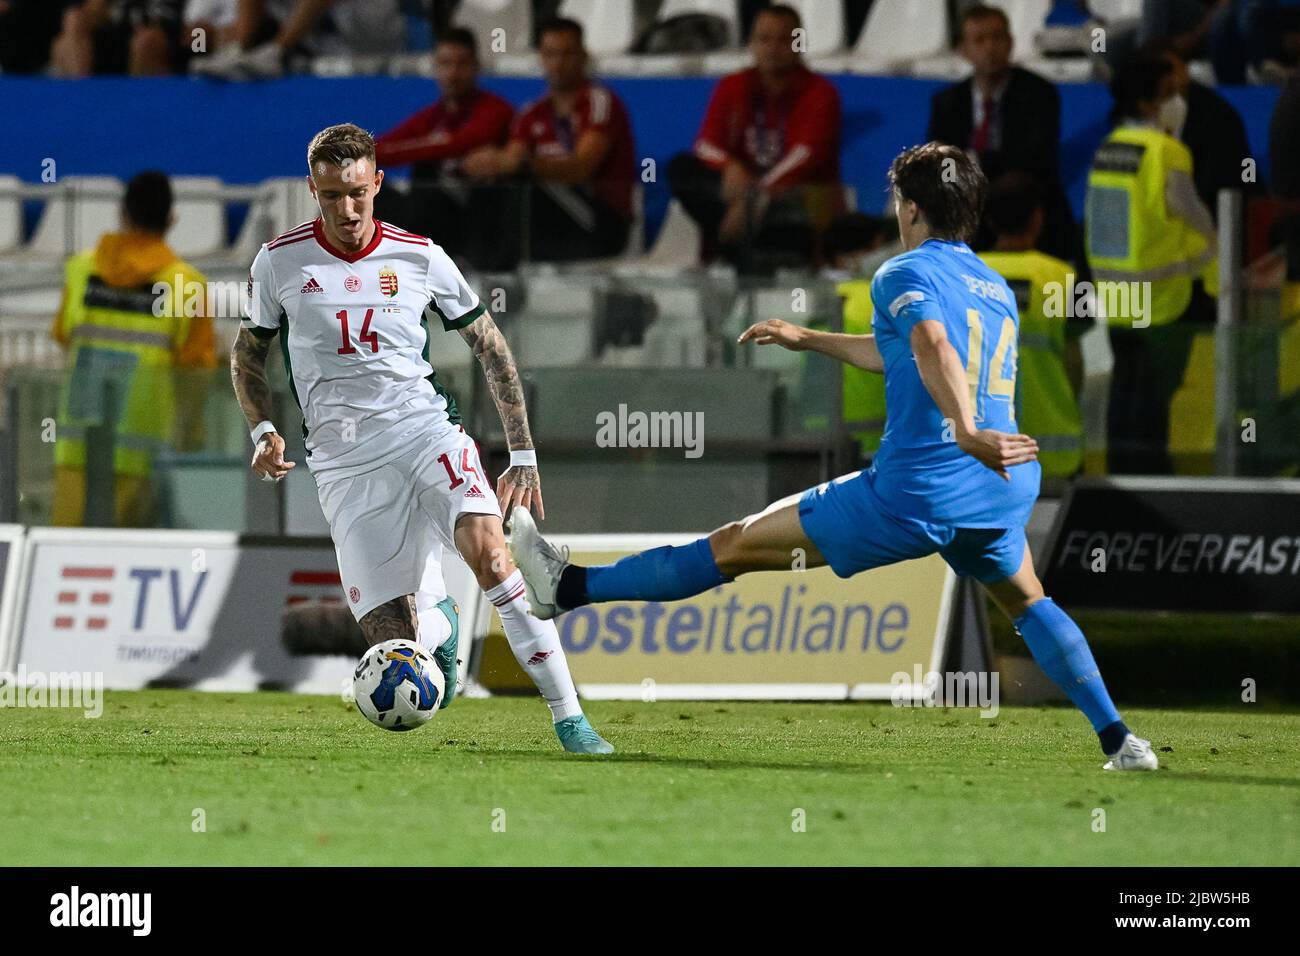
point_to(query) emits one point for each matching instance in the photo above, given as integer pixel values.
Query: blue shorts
(855, 531)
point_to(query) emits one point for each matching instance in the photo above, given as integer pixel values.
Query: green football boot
(579, 737)
(445, 655)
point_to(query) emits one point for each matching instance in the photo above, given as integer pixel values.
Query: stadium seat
(556, 324)
(200, 228)
(677, 302)
(78, 212)
(202, 491)
(722, 62)
(945, 66)
(11, 214)
(609, 26)
(1027, 20)
(481, 17)
(676, 342)
(1062, 69)
(1115, 11)
(771, 304)
(653, 64)
(554, 341)
(288, 203)
(898, 32)
(725, 10)
(738, 400)
(823, 23)
(678, 242)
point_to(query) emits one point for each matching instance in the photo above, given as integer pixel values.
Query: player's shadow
(701, 763)
(1209, 776)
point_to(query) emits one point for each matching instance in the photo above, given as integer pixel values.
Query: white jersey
(355, 337)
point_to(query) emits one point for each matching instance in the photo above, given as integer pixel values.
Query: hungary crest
(388, 281)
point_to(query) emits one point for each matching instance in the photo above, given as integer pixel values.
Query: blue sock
(660, 574)
(1062, 652)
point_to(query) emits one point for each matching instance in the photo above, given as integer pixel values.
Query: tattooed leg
(395, 620)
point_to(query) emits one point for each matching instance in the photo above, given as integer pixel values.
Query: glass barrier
(633, 364)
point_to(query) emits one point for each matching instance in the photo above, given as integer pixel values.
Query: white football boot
(540, 562)
(1134, 754)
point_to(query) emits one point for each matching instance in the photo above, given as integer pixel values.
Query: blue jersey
(919, 471)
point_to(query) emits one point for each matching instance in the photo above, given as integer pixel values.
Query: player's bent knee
(735, 552)
(482, 545)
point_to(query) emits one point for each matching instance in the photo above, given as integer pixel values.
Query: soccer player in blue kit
(952, 475)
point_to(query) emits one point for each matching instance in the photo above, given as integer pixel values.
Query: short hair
(1136, 80)
(946, 184)
(981, 11)
(1013, 198)
(459, 36)
(850, 232)
(781, 10)
(148, 201)
(339, 145)
(560, 25)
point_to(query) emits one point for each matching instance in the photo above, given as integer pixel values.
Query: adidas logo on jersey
(473, 492)
(312, 286)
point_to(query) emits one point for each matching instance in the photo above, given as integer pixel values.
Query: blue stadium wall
(244, 133)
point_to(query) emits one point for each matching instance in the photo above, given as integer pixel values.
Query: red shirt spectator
(789, 140)
(545, 133)
(437, 137)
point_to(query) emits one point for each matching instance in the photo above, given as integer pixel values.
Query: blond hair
(340, 145)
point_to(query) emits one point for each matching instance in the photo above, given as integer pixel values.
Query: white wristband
(261, 429)
(523, 456)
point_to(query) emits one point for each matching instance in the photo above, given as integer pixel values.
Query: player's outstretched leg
(535, 643)
(767, 541)
(1062, 652)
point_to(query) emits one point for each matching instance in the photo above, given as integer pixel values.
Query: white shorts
(390, 525)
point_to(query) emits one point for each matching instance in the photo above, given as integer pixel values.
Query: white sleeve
(261, 307)
(449, 294)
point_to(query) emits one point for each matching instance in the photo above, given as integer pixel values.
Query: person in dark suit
(1213, 132)
(1009, 117)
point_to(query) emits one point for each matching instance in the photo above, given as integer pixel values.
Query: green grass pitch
(286, 779)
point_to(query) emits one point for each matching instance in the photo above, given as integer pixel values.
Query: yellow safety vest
(1046, 406)
(114, 337)
(864, 392)
(1140, 190)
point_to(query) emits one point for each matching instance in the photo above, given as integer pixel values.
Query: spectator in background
(573, 148)
(269, 34)
(138, 37)
(434, 142)
(1147, 229)
(853, 247)
(27, 29)
(133, 315)
(1255, 40)
(1213, 132)
(1009, 117)
(1050, 362)
(216, 22)
(848, 244)
(765, 172)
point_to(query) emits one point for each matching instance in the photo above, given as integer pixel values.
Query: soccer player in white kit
(398, 477)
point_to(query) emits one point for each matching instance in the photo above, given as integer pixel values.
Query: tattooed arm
(518, 484)
(253, 389)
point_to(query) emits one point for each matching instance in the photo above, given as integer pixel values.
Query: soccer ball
(398, 685)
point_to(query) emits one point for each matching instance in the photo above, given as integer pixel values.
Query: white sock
(430, 631)
(536, 646)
